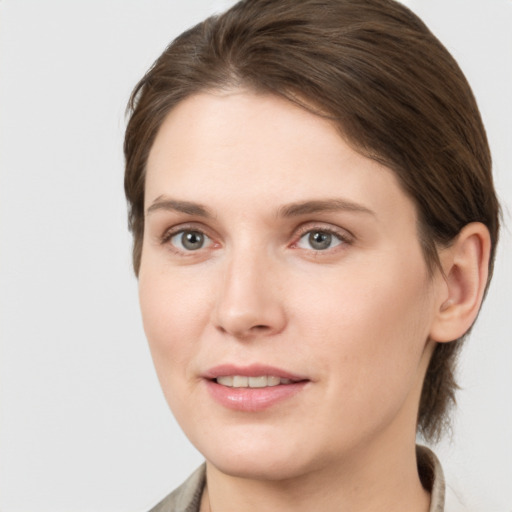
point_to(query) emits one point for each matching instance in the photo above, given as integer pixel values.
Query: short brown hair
(394, 91)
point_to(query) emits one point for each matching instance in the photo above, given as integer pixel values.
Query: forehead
(227, 145)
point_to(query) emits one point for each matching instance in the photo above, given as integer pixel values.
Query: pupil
(192, 240)
(319, 240)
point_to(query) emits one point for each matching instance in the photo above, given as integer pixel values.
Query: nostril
(260, 327)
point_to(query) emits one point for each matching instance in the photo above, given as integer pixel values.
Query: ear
(465, 266)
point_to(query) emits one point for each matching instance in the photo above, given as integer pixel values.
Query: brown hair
(394, 91)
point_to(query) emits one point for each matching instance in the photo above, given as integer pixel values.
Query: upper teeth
(241, 381)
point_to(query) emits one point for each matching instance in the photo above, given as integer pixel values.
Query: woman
(314, 227)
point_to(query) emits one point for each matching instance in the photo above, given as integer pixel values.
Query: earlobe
(465, 265)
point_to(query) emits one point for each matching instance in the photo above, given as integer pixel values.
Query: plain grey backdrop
(83, 424)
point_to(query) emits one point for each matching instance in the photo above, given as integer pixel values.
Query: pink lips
(252, 399)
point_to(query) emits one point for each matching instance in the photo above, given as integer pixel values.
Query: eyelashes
(190, 240)
(313, 238)
(321, 239)
(187, 240)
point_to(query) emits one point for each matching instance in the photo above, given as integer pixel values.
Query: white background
(83, 424)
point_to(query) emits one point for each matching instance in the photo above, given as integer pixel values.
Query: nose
(249, 301)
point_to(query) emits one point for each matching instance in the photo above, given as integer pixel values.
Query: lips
(252, 388)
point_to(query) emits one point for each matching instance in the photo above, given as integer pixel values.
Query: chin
(262, 467)
(252, 454)
(266, 458)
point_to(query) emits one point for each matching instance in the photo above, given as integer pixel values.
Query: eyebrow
(289, 210)
(173, 205)
(318, 206)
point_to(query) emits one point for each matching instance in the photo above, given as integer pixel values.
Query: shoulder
(187, 497)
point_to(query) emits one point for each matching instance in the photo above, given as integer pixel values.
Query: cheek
(372, 330)
(174, 313)
(367, 308)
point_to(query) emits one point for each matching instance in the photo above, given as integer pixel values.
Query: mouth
(252, 388)
(243, 381)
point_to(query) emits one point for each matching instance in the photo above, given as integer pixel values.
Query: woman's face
(283, 289)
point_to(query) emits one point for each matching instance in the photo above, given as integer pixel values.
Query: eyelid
(171, 232)
(342, 233)
(345, 236)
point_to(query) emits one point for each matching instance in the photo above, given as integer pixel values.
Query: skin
(355, 318)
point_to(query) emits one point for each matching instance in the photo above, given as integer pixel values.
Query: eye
(319, 240)
(189, 240)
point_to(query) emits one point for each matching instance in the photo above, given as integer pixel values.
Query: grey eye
(319, 240)
(189, 240)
